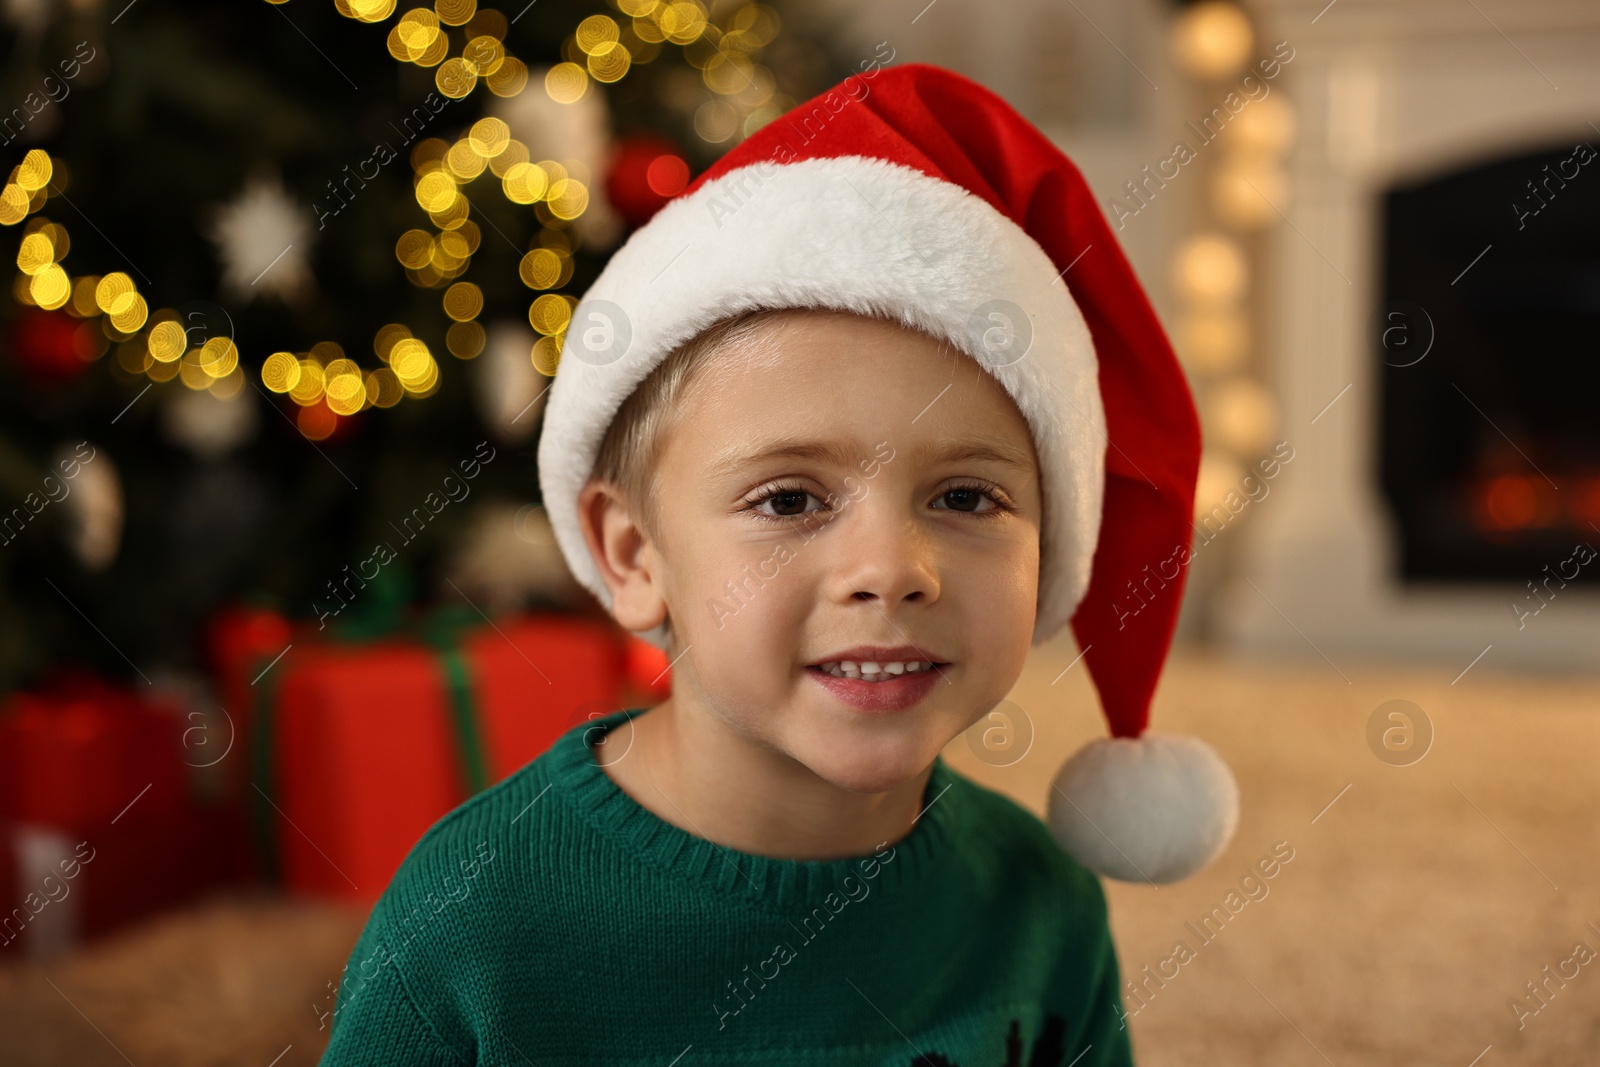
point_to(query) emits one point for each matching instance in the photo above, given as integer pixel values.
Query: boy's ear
(625, 556)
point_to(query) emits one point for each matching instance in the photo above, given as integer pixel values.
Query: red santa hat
(915, 194)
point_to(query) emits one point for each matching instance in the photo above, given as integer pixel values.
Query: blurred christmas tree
(283, 268)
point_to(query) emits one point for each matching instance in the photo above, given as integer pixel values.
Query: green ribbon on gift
(381, 615)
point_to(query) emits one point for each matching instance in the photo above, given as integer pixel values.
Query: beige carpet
(1414, 908)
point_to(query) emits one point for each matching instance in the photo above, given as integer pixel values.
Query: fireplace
(1488, 366)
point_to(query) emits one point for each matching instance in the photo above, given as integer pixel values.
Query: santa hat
(915, 194)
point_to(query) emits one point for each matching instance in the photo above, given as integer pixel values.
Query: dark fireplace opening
(1488, 344)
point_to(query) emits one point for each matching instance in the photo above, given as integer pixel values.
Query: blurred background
(275, 583)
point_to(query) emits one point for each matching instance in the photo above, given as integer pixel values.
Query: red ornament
(646, 171)
(44, 345)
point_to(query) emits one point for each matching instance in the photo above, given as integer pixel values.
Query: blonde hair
(631, 449)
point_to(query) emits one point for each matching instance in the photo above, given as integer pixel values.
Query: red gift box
(98, 824)
(361, 748)
(80, 751)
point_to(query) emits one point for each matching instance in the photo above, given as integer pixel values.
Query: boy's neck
(691, 771)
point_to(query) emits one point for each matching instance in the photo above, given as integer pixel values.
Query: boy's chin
(869, 769)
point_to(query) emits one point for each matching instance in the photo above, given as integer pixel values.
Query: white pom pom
(1157, 808)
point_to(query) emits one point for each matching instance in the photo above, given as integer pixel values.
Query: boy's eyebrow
(842, 455)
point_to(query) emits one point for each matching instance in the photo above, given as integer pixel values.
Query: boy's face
(769, 564)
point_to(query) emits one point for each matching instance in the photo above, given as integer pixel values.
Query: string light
(325, 384)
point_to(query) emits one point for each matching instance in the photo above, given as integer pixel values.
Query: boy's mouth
(873, 671)
(875, 663)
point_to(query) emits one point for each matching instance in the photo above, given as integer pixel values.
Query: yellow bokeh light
(1241, 415)
(281, 372)
(715, 121)
(568, 198)
(307, 389)
(1266, 126)
(413, 248)
(51, 288)
(464, 339)
(546, 356)
(229, 386)
(452, 216)
(464, 162)
(425, 386)
(455, 78)
(410, 360)
(110, 288)
(596, 32)
(344, 387)
(510, 78)
(36, 253)
(418, 28)
(1248, 192)
(436, 191)
(1211, 270)
(513, 153)
(428, 150)
(1212, 39)
(83, 304)
(371, 10)
(191, 373)
(609, 62)
(14, 204)
(463, 301)
(386, 337)
(485, 55)
(455, 12)
(1214, 341)
(434, 54)
(489, 137)
(526, 183)
(541, 269)
(648, 31)
(129, 313)
(383, 388)
(57, 234)
(33, 173)
(217, 357)
(167, 341)
(550, 314)
(566, 83)
(397, 45)
(682, 22)
(488, 23)
(452, 248)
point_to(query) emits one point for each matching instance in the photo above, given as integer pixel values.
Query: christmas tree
(291, 279)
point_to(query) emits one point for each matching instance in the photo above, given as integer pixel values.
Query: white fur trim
(1157, 808)
(855, 234)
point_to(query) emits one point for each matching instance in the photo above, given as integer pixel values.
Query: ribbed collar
(760, 881)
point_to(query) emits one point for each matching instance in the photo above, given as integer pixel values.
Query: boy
(832, 431)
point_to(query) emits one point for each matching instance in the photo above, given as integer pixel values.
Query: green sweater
(552, 920)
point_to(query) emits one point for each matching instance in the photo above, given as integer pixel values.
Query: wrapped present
(359, 746)
(99, 824)
(241, 641)
(80, 750)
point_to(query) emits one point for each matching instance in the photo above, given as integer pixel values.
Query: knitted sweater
(553, 920)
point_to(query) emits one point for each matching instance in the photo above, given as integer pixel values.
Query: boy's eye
(968, 498)
(785, 503)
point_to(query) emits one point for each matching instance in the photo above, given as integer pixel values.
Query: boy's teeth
(875, 672)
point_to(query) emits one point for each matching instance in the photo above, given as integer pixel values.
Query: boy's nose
(884, 557)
